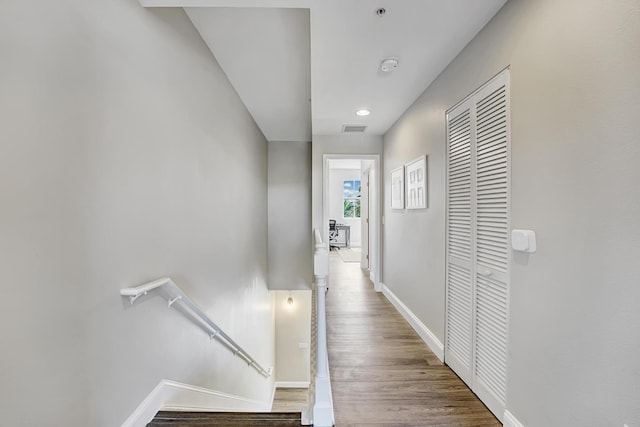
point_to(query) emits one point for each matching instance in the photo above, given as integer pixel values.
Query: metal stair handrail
(175, 295)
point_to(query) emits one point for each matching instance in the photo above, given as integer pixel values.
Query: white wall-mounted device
(523, 240)
(389, 65)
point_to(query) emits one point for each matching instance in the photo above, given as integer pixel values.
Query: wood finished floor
(290, 399)
(382, 373)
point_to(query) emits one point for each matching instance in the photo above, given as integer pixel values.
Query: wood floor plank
(235, 419)
(382, 373)
(290, 399)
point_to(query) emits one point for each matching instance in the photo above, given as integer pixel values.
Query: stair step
(206, 419)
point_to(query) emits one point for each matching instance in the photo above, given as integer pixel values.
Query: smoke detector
(388, 65)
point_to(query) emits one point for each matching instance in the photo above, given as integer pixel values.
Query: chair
(333, 234)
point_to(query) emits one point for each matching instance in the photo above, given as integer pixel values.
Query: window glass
(351, 195)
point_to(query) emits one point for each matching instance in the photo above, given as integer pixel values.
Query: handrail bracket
(172, 300)
(133, 298)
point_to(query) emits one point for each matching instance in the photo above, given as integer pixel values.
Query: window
(351, 192)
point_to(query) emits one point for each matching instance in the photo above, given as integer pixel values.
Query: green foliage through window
(351, 195)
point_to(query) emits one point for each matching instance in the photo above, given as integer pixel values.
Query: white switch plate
(523, 240)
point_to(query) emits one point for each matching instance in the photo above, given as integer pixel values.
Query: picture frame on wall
(416, 177)
(397, 188)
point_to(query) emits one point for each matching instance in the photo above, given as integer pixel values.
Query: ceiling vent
(353, 128)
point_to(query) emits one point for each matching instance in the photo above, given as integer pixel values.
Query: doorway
(351, 197)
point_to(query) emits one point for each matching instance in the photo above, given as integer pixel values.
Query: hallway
(382, 373)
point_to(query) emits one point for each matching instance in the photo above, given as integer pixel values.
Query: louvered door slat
(491, 145)
(492, 127)
(492, 170)
(459, 185)
(492, 178)
(459, 167)
(459, 145)
(489, 225)
(490, 142)
(486, 104)
(496, 249)
(462, 237)
(491, 159)
(493, 238)
(491, 130)
(491, 120)
(493, 196)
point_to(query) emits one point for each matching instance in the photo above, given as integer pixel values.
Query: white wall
(289, 197)
(336, 207)
(125, 156)
(575, 304)
(293, 333)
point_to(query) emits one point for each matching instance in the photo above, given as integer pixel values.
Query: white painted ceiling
(303, 67)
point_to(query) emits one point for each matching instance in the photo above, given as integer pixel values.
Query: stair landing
(206, 419)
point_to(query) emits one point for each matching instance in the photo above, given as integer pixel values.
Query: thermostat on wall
(523, 240)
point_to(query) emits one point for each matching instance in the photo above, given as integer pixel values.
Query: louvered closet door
(459, 243)
(492, 243)
(485, 283)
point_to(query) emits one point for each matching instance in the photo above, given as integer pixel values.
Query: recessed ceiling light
(363, 112)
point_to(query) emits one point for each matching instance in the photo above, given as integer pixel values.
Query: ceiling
(304, 67)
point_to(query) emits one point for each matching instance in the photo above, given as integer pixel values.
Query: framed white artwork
(416, 176)
(397, 188)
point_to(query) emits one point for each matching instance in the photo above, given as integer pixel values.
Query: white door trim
(375, 213)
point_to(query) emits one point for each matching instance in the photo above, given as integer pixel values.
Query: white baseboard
(427, 336)
(175, 396)
(292, 384)
(377, 286)
(273, 397)
(511, 421)
(148, 408)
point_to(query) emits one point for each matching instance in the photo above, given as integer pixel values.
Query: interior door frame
(375, 214)
(365, 224)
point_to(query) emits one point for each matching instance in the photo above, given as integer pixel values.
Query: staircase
(206, 419)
